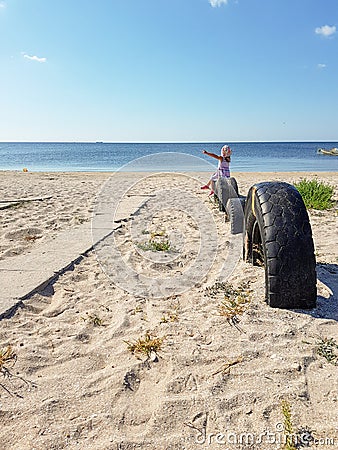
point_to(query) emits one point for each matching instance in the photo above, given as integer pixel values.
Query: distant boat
(333, 151)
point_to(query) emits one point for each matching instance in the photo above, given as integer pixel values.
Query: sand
(215, 383)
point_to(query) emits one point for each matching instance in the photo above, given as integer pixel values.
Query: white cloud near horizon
(326, 30)
(321, 66)
(218, 3)
(2, 5)
(34, 58)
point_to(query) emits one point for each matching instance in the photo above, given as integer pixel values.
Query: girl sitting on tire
(223, 169)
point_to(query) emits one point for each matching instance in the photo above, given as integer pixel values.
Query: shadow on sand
(327, 307)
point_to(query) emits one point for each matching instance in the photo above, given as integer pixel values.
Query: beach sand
(215, 383)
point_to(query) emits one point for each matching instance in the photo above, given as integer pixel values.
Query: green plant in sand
(234, 301)
(315, 194)
(327, 348)
(288, 427)
(158, 242)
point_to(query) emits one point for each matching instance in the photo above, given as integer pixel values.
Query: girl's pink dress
(223, 170)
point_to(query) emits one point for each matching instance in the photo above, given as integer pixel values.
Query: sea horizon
(174, 142)
(99, 156)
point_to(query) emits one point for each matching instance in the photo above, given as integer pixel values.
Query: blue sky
(168, 70)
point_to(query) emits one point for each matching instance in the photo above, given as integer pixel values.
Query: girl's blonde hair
(226, 150)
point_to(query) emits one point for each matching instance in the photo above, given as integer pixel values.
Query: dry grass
(234, 301)
(147, 346)
(7, 360)
(225, 369)
(171, 316)
(136, 310)
(7, 357)
(93, 319)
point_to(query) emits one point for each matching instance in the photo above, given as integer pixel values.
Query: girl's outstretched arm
(212, 155)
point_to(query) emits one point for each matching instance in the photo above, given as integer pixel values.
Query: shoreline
(107, 172)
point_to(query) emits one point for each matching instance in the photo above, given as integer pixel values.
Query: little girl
(223, 169)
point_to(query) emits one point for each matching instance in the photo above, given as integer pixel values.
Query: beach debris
(225, 369)
(199, 423)
(149, 346)
(10, 203)
(31, 238)
(131, 380)
(7, 360)
(27, 199)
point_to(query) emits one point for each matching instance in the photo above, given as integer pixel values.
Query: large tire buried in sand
(278, 235)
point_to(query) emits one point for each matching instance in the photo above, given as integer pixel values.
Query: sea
(170, 157)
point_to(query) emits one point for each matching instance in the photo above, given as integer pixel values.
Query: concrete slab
(22, 275)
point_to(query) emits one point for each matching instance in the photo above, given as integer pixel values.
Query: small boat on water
(333, 151)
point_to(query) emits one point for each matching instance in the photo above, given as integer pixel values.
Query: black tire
(278, 235)
(225, 188)
(234, 210)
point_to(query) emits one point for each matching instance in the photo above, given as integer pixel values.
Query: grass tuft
(93, 319)
(170, 317)
(326, 347)
(235, 300)
(288, 427)
(316, 195)
(145, 346)
(7, 356)
(158, 242)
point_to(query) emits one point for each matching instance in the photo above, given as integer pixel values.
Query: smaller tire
(234, 185)
(235, 211)
(225, 188)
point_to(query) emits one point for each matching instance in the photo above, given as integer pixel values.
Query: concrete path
(22, 275)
